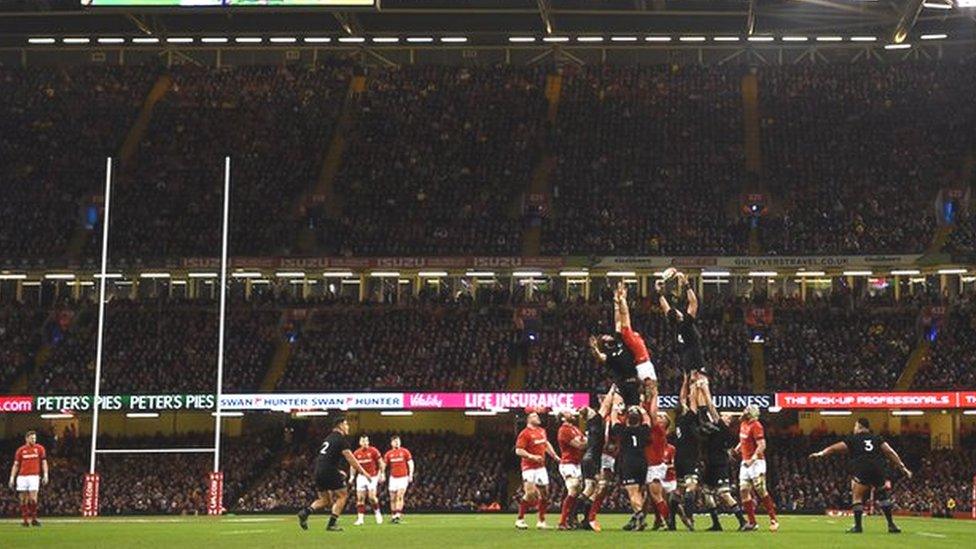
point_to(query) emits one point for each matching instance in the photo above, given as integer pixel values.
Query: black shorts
(869, 475)
(684, 470)
(330, 480)
(633, 473)
(693, 360)
(590, 467)
(717, 476)
(630, 391)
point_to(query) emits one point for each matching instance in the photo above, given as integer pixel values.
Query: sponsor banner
(749, 262)
(16, 404)
(458, 262)
(285, 402)
(128, 403)
(918, 400)
(89, 496)
(967, 400)
(722, 402)
(494, 401)
(215, 493)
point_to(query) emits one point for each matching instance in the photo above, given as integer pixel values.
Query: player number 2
(325, 448)
(868, 445)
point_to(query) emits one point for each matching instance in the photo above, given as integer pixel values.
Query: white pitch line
(239, 532)
(931, 535)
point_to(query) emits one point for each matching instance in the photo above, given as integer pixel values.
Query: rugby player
(372, 461)
(330, 478)
(654, 455)
(595, 483)
(400, 462)
(533, 446)
(717, 478)
(633, 438)
(27, 474)
(752, 470)
(867, 452)
(572, 443)
(687, 448)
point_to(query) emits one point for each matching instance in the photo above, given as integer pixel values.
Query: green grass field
(456, 531)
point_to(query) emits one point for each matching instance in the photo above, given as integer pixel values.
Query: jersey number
(868, 445)
(325, 448)
(634, 439)
(677, 432)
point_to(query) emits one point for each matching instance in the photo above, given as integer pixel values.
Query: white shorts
(570, 470)
(397, 484)
(28, 483)
(538, 476)
(607, 462)
(752, 472)
(669, 486)
(645, 370)
(366, 484)
(657, 472)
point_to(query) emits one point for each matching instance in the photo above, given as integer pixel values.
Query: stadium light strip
(526, 274)
(317, 39)
(726, 39)
(289, 274)
(864, 39)
(907, 413)
(175, 282)
(519, 39)
(480, 413)
(57, 416)
(246, 274)
(760, 38)
(420, 39)
(228, 414)
(657, 39)
(969, 412)
(352, 39)
(282, 40)
(431, 274)
(480, 273)
(691, 38)
(621, 273)
(858, 273)
(574, 273)
(939, 6)
(385, 274)
(795, 39)
(952, 271)
(311, 413)
(897, 46)
(40, 40)
(906, 272)
(180, 40)
(31, 283)
(589, 39)
(76, 40)
(396, 413)
(810, 273)
(763, 273)
(623, 38)
(454, 39)
(715, 273)
(13, 277)
(154, 275)
(248, 39)
(145, 40)
(215, 40)
(111, 40)
(260, 281)
(202, 275)
(386, 39)
(556, 39)
(142, 415)
(934, 36)
(830, 39)
(337, 274)
(836, 412)
(59, 276)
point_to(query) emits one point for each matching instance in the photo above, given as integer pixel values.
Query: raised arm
(706, 394)
(835, 448)
(651, 401)
(683, 395)
(607, 403)
(595, 351)
(692, 297)
(893, 457)
(622, 310)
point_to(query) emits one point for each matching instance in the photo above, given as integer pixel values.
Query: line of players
(627, 436)
(367, 469)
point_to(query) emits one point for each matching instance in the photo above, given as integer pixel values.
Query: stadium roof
(496, 21)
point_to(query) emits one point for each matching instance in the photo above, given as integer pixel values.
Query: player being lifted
(867, 453)
(752, 470)
(533, 446)
(372, 462)
(400, 462)
(625, 354)
(595, 483)
(633, 436)
(330, 477)
(30, 461)
(572, 443)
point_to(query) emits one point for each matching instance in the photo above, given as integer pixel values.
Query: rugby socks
(568, 505)
(689, 504)
(886, 509)
(360, 512)
(543, 504)
(737, 511)
(713, 512)
(333, 519)
(661, 509)
(524, 506)
(25, 512)
(858, 513)
(595, 508)
(750, 506)
(770, 506)
(673, 509)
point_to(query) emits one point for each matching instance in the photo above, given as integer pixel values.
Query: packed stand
(649, 159)
(445, 348)
(826, 348)
(855, 153)
(58, 126)
(437, 157)
(20, 334)
(159, 347)
(453, 472)
(274, 122)
(951, 360)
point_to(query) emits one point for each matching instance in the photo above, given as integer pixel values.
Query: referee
(330, 476)
(867, 453)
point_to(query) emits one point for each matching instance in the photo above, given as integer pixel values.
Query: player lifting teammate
(372, 462)
(655, 454)
(400, 462)
(572, 443)
(867, 462)
(633, 436)
(687, 448)
(330, 478)
(717, 478)
(625, 354)
(30, 461)
(752, 470)
(533, 446)
(595, 483)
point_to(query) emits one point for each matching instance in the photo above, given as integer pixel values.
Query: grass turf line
(457, 531)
